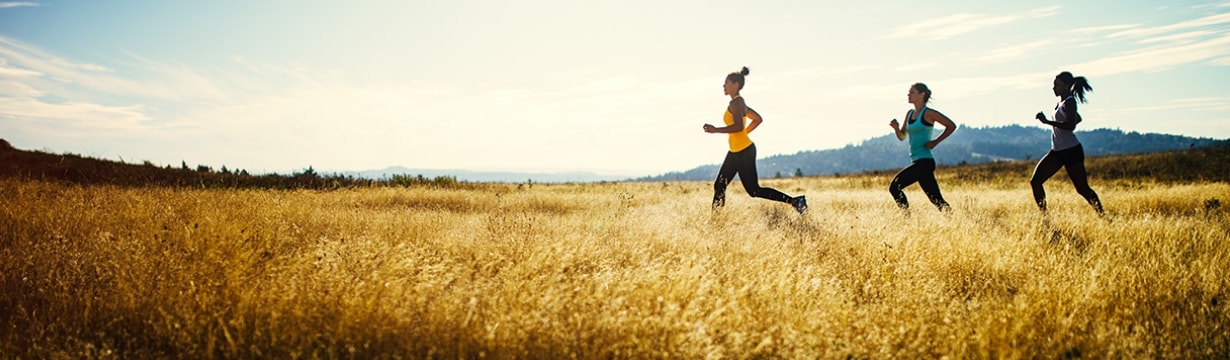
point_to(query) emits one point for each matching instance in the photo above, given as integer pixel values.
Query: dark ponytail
(738, 77)
(1078, 84)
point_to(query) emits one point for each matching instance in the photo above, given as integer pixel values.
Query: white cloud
(1159, 57)
(76, 119)
(5, 5)
(1207, 21)
(1105, 28)
(16, 89)
(956, 24)
(7, 71)
(1185, 37)
(1218, 5)
(174, 81)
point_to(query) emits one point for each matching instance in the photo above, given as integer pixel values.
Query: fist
(1040, 116)
(894, 124)
(709, 128)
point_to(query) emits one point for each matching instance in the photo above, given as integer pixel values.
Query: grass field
(622, 270)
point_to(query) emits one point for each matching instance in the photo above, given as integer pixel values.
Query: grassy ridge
(623, 270)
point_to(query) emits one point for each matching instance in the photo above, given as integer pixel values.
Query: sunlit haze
(617, 88)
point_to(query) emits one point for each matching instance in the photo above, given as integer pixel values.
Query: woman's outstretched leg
(930, 186)
(1080, 179)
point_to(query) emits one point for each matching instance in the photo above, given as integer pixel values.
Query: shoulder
(1069, 107)
(1070, 102)
(932, 113)
(933, 116)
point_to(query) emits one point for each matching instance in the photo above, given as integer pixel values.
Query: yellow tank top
(738, 140)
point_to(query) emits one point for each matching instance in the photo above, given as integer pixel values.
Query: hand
(896, 125)
(709, 128)
(931, 144)
(1041, 117)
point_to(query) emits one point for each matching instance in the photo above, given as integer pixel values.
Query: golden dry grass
(624, 270)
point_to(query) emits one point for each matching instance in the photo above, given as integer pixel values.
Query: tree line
(38, 165)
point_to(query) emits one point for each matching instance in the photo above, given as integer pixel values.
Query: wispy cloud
(7, 71)
(174, 81)
(13, 4)
(1011, 52)
(1159, 57)
(75, 97)
(1184, 37)
(1207, 21)
(1104, 28)
(1216, 5)
(956, 24)
(77, 118)
(1207, 103)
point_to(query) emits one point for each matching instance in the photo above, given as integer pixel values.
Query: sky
(615, 87)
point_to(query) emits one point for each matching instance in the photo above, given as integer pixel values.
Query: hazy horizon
(623, 88)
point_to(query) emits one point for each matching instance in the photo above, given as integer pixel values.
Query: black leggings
(743, 163)
(1073, 160)
(921, 171)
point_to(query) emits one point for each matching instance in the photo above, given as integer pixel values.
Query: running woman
(1066, 150)
(919, 128)
(741, 159)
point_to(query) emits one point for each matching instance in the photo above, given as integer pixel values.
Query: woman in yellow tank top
(741, 159)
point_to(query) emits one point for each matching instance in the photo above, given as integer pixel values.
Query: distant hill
(997, 148)
(966, 146)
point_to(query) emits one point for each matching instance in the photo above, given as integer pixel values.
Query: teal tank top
(920, 134)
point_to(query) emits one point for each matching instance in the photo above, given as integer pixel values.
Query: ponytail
(1078, 84)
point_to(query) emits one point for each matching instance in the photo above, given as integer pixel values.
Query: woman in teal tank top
(921, 122)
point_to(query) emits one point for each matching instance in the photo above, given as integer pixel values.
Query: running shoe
(800, 204)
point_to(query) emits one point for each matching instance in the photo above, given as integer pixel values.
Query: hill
(966, 146)
(1199, 160)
